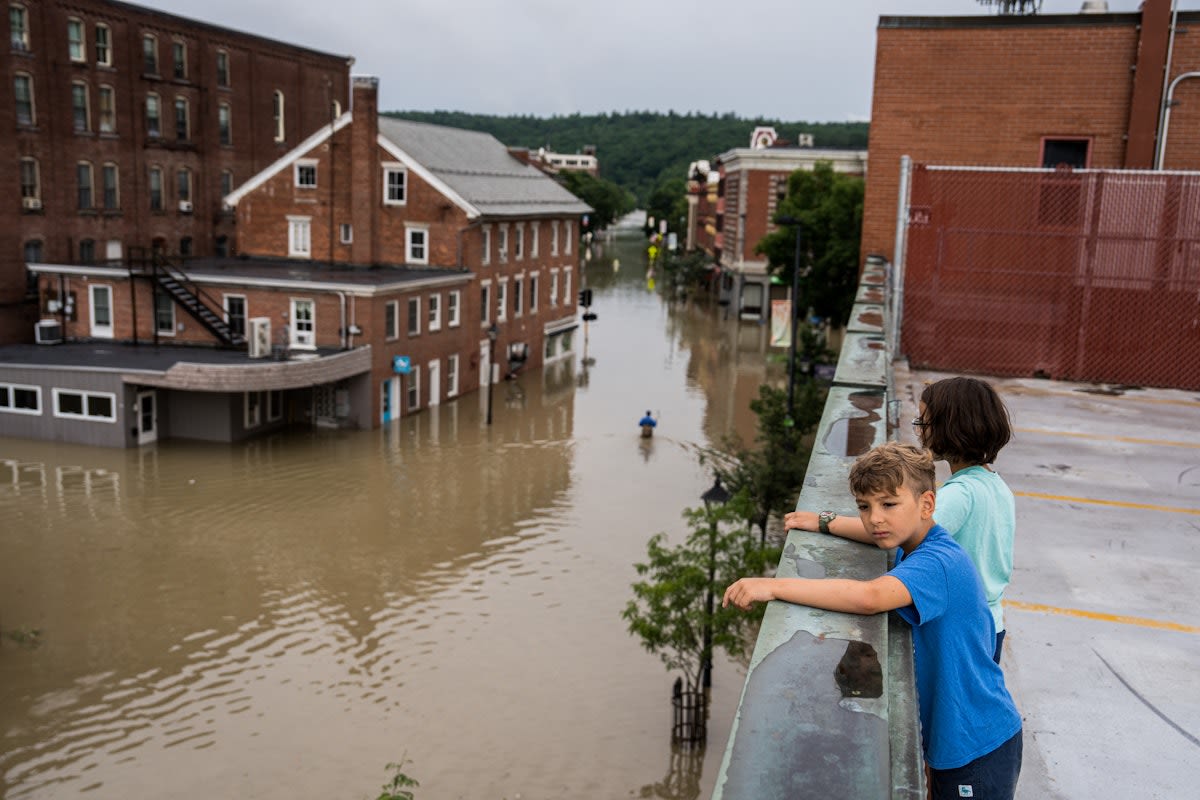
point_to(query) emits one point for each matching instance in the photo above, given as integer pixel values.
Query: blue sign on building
(401, 365)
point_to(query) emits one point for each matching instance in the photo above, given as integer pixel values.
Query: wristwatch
(823, 520)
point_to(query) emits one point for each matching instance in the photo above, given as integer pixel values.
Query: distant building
(124, 126)
(584, 161)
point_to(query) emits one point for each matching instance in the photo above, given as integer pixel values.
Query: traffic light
(585, 297)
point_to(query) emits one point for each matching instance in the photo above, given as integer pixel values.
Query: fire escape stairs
(199, 311)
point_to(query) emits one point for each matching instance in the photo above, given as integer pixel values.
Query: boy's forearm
(850, 527)
(831, 594)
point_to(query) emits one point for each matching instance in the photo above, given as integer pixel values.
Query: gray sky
(796, 60)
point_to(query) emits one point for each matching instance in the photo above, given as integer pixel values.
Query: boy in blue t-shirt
(970, 728)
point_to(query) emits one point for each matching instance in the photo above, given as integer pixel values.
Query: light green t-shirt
(976, 506)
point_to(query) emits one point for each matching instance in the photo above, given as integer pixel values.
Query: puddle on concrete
(853, 436)
(858, 674)
(803, 567)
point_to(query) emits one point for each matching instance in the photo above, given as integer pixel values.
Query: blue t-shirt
(966, 710)
(976, 506)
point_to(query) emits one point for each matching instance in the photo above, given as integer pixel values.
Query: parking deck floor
(1103, 613)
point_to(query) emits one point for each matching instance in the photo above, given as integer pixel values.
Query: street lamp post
(716, 495)
(791, 393)
(492, 333)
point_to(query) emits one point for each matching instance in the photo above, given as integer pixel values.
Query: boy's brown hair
(965, 420)
(891, 465)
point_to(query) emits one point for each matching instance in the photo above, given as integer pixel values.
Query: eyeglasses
(920, 423)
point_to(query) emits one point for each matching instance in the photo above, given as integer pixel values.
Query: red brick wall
(989, 90)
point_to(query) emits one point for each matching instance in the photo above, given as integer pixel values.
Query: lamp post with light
(715, 495)
(492, 333)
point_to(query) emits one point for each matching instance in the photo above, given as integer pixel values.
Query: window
(518, 296)
(569, 236)
(553, 288)
(150, 54)
(183, 186)
(23, 93)
(533, 293)
(181, 119)
(108, 109)
(235, 313)
(346, 233)
(306, 174)
(533, 239)
(153, 116)
(418, 251)
(224, 125)
(31, 184)
(502, 301)
(395, 183)
(17, 399)
(253, 410)
(485, 303)
(503, 244)
(567, 286)
(304, 324)
(83, 179)
(18, 25)
(179, 57)
(222, 69)
(226, 183)
(87, 251)
(75, 40)
(156, 189)
(79, 107)
(101, 406)
(452, 375)
(164, 314)
(414, 388)
(453, 304)
(111, 180)
(277, 115)
(391, 320)
(100, 307)
(554, 238)
(103, 45)
(414, 316)
(435, 312)
(486, 257)
(1065, 152)
(221, 246)
(300, 237)
(274, 406)
(519, 246)
(185, 246)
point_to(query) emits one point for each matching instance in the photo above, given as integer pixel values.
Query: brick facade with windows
(101, 48)
(1003, 91)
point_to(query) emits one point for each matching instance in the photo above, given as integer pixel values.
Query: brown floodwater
(282, 618)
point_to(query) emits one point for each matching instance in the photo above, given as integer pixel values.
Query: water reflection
(282, 617)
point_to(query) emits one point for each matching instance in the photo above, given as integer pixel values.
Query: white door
(435, 382)
(304, 324)
(100, 298)
(147, 417)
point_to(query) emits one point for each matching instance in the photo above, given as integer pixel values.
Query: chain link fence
(1084, 275)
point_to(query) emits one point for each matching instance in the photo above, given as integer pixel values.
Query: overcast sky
(796, 60)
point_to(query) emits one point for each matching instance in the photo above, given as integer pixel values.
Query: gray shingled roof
(480, 169)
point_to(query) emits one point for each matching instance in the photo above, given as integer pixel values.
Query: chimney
(366, 176)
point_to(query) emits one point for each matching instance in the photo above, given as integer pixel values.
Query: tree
(668, 202)
(608, 201)
(830, 208)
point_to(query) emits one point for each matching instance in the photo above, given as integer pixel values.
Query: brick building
(1084, 90)
(125, 126)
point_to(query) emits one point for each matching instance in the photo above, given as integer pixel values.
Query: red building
(125, 127)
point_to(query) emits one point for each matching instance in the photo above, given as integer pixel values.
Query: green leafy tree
(829, 206)
(400, 786)
(670, 613)
(668, 201)
(608, 200)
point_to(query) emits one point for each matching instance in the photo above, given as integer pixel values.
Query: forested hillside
(640, 149)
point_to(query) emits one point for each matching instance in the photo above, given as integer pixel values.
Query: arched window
(31, 184)
(23, 92)
(83, 178)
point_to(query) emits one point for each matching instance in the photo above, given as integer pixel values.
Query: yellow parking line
(1115, 503)
(1130, 439)
(1123, 620)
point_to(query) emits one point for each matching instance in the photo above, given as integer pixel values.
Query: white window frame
(414, 316)
(568, 298)
(454, 308)
(452, 375)
(76, 45)
(150, 198)
(103, 48)
(279, 115)
(570, 235)
(251, 409)
(410, 231)
(346, 233)
(185, 104)
(100, 331)
(554, 288)
(503, 249)
(162, 331)
(554, 238)
(390, 169)
(486, 256)
(179, 66)
(519, 244)
(391, 332)
(224, 124)
(183, 188)
(33, 189)
(86, 94)
(302, 339)
(104, 125)
(28, 79)
(485, 310)
(19, 38)
(83, 168)
(412, 398)
(502, 300)
(9, 390)
(435, 312)
(533, 293)
(85, 396)
(518, 296)
(153, 41)
(106, 169)
(534, 235)
(156, 131)
(305, 164)
(299, 237)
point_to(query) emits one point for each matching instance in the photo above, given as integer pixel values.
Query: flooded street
(282, 618)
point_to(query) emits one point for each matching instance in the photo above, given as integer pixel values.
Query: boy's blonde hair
(891, 465)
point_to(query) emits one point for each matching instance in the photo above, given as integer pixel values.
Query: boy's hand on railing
(745, 592)
(802, 520)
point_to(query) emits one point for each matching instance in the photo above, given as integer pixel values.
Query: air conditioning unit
(48, 331)
(185, 206)
(259, 341)
(31, 203)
